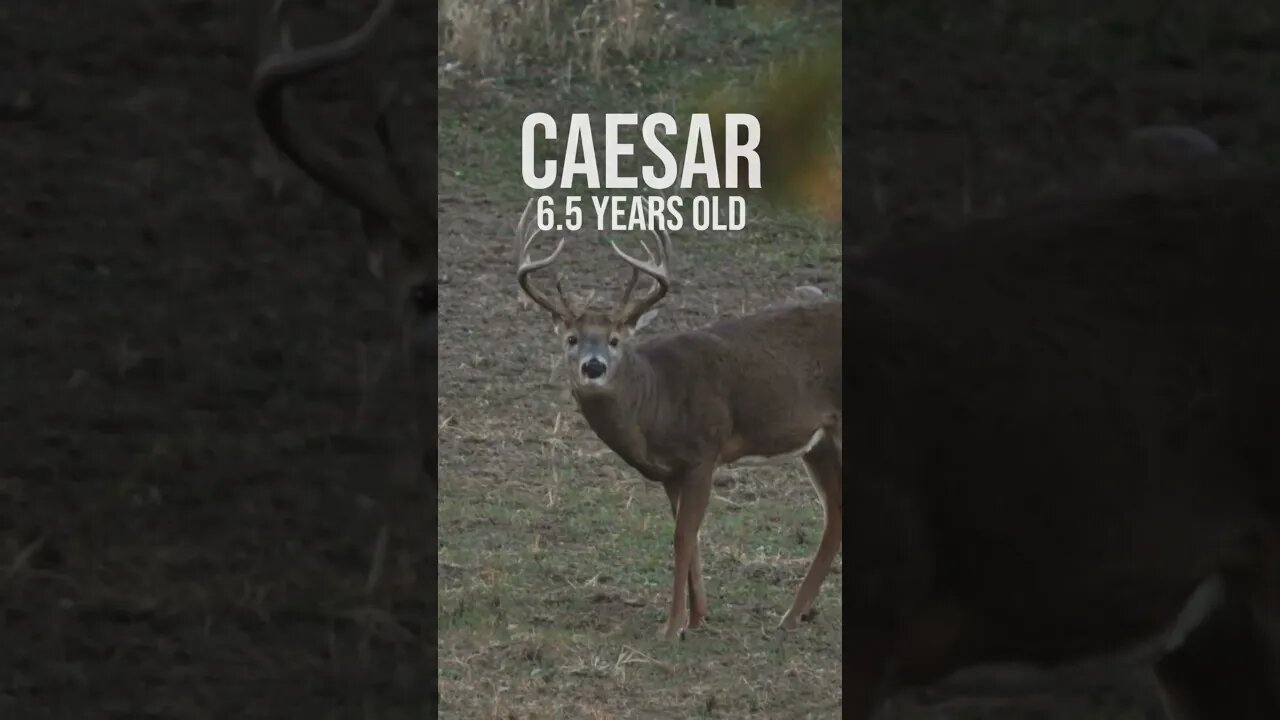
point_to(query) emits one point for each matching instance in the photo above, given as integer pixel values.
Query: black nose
(593, 368)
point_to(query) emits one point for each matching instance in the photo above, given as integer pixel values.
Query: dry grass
(581, 38)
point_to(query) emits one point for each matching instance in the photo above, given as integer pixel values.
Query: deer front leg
(698, 607)
(694, 491)
(824, 466)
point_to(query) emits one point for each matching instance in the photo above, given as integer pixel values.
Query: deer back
(760, 385)
(783, 356)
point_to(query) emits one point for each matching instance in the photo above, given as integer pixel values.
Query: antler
(381, 202)
(526, 265)
(399, 170)
(657, 268)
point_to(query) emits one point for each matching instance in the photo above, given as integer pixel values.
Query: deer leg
(695, 493)
(698, 608)
(824, 466)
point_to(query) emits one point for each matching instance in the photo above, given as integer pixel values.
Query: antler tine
(526, 265)
(284, 66)
(631, 286)
(521, 226)
(399, 170)
(664, 243)
(564, 298)
(657, 268)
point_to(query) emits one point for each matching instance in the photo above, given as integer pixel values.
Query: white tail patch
(781, 457)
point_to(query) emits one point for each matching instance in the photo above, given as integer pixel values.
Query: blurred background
(192, 524)
(955, 111)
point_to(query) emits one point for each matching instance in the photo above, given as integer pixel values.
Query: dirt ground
(188, 516)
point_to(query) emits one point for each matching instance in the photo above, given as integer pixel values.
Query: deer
(397, 214)
(678, 406)
(1065, 428)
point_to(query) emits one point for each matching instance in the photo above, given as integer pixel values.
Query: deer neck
(619, 415)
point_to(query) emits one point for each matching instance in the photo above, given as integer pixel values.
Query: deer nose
(593, 368)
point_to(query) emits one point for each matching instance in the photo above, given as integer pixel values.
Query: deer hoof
(792, 619)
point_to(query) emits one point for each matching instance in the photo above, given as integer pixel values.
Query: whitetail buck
(398, 216)
(1065, 452)
(677, 407)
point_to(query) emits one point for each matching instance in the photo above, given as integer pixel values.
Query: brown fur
(757, 385)
(677, 407)
(683, 404)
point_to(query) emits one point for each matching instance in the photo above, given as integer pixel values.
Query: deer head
(597, 344)
(398, 218)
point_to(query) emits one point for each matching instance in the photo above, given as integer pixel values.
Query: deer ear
(646, 318)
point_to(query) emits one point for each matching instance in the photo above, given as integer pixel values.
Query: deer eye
(571, 340)
(613, 341)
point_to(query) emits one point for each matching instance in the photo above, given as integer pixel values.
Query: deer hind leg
(698, 607)
(1226, 668)
(825, 470)
(694, 495)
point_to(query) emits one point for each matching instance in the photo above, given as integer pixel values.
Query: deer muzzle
(594, 369)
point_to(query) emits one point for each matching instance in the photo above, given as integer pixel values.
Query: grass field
(555, 557)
